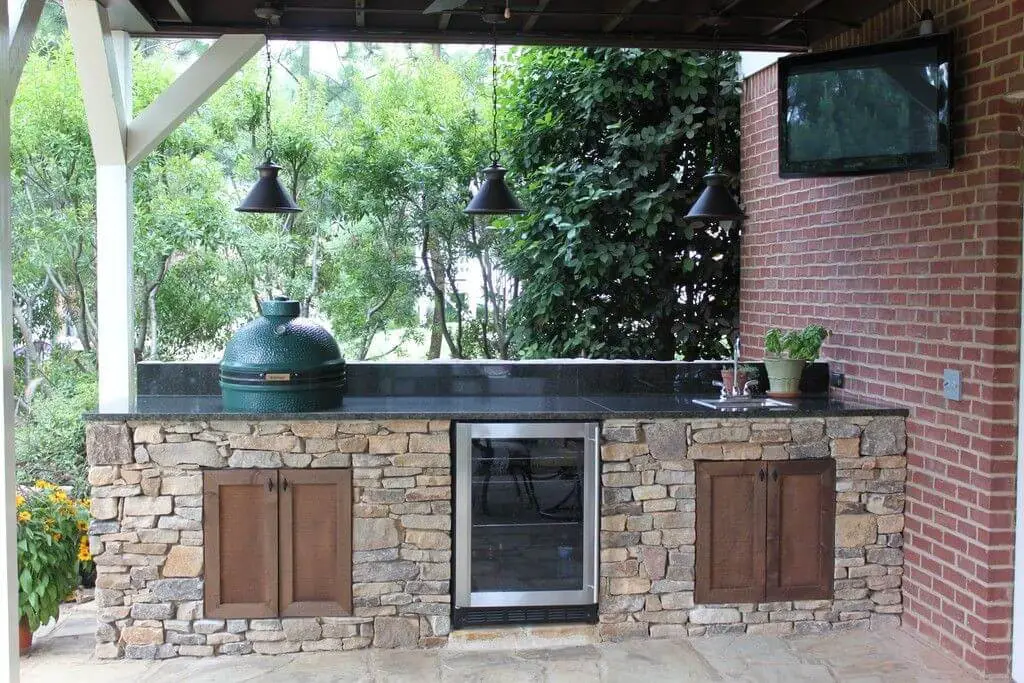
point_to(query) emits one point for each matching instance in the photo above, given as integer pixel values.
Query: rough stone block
(395, 632)
(629, 585)
(242, 648)
(104, 508)
(279, 647)
(730, 433)
(108, 444)
(280, 443)
(373, 534)
(301, 629)
(389, 443)
(808, 450)
(142, 635)
(319, 430)
(806, 431)
(855, 531)
(845, 448)
(620, 434)
(262, 459)
(157, 610)
(666, 439)
(433, 540)
(140, 506)
(652, 492)
(177, 589)
(884, 436)
(184, 561)
(622, 452)
(202, 453)
(103, 475)
(715, 615)
(437, 442)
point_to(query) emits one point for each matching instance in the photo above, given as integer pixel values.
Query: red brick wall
(914, 273)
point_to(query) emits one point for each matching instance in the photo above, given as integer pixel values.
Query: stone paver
(65, 654)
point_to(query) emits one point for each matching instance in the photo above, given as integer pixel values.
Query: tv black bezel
(931, 161)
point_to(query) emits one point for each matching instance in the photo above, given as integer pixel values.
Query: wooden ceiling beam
(531, 20)
(444, 21)
(698, 21)
(796, 17)
(627, 8)
(183, 9)
(379, 34)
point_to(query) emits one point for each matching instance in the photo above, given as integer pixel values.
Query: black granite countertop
(580, 407)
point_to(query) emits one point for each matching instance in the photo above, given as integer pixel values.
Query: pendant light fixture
(494, 197)
(269, 195)
(716, 202)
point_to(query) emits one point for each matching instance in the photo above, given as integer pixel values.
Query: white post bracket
(120, 141)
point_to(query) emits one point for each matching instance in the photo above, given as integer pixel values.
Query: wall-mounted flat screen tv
(872, 109)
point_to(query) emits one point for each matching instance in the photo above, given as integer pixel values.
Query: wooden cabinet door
(730, 532)
(316, 542)
(240, 543)
(801, 527)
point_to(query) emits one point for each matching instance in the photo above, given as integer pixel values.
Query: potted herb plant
(786, 355)
(52, 542)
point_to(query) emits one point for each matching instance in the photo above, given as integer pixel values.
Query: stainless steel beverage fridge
(526, 523)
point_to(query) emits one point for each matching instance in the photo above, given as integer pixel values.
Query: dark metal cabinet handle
(760, 474)
(270, 485)
(775, 475)
(284, 484)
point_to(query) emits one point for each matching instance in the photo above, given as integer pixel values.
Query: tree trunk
(438, 322)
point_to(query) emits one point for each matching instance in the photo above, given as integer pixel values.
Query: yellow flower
(19, 500)
(57, 536)
(83, 526)
(85, 503)
(43, 484)
(24, 516)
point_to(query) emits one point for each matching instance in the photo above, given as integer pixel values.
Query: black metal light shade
(494, 197)
(716, 202)
(268, 195)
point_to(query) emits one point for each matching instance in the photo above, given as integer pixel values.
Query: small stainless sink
(740, 403)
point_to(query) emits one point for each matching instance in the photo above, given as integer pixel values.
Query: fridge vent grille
(499, 616)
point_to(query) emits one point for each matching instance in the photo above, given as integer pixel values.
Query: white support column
(16, 31)
(103, 58)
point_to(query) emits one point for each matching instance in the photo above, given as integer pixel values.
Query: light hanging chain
(717, 138)
(266, 100)
(495, 156)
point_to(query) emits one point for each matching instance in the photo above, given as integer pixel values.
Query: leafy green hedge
(50, 438)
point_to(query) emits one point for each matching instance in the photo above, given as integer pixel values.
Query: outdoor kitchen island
(334, 531)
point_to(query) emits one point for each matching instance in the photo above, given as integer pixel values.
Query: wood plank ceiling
(783, 25)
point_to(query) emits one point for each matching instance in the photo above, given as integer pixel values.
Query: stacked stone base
(648, 523)
(147, 533)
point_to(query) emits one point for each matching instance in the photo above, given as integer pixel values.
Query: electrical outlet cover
(951, 386)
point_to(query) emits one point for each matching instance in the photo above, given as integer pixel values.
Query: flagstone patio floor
(64, 653)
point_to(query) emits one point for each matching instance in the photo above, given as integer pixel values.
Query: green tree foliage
(610, 146)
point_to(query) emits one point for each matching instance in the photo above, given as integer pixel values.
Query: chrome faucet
(735, 364)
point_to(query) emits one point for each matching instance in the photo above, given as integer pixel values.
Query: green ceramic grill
(280, 362)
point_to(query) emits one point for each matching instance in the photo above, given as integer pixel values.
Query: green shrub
(50, 438)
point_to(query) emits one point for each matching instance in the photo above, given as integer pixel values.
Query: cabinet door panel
(801, 523)
(730, 532)
(316, 542)
(240, 546)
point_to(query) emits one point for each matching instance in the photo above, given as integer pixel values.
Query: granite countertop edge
(576, 408)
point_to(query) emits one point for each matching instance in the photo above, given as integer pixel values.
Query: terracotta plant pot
(24, 636)
(784, 376)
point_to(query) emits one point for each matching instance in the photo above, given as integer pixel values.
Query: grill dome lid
(280, 341)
